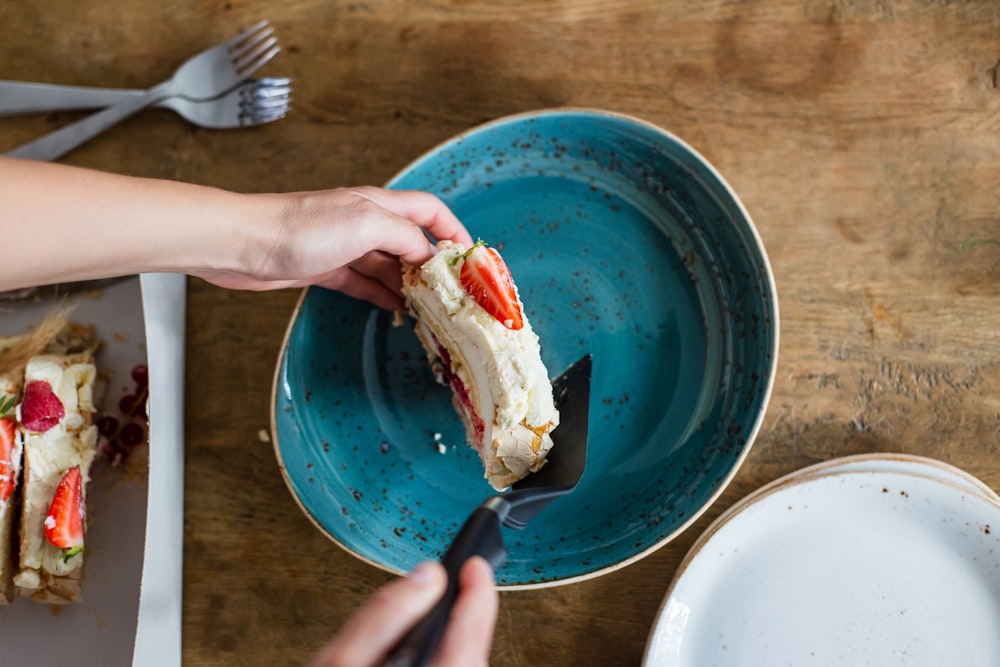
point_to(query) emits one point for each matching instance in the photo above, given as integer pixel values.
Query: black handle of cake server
(479, 536)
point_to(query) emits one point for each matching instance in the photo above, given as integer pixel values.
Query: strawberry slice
(8, 443)
(41, 409)
(486, 278)
(64, 522)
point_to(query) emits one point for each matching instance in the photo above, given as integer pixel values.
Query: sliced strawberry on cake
(65, 518)
(8, 453)
(60, 444)
(485, 276)
(470, 320)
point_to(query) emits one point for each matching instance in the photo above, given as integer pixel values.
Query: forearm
(65, 223)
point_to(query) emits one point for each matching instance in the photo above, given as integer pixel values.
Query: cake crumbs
(440, 445)
(263, 436)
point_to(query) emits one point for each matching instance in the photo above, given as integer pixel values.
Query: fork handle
(56, 144)
(21, 98)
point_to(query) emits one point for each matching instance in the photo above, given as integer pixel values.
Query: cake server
(481, 534)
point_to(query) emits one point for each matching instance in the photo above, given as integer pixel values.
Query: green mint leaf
(7, 404)
(69, 553)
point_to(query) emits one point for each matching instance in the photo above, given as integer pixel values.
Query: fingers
(380, 623)
(375, 227)
(394, 608)
(354, 283)
(382, 267)
(469, 636)
(424, 209)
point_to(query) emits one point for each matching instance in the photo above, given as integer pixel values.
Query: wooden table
(864, 138)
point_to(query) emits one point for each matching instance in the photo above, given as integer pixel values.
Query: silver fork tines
(251, 54)
(273, 87)
(264, 101)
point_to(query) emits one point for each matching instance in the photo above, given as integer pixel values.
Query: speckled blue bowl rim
(751, 436)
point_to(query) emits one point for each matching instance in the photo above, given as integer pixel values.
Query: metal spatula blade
(568, 457)
(481, 534)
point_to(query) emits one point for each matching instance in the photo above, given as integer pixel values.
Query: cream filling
(501, 369)
(466, 362)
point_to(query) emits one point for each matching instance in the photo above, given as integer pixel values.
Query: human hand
(102, 225)
(348, 239)
(374, 629)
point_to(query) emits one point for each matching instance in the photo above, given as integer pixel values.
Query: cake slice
(10, 477)
(472, 325)
(14, 354)
(60, 443)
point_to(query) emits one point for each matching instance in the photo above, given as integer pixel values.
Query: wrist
(257, 222)
(198, 229)
(223, 232)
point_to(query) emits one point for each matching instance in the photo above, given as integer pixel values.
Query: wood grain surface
(863, 136)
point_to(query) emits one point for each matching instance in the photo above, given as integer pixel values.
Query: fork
(208, 74)
(251, 103)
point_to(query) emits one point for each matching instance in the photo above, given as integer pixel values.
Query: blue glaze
(624, 243)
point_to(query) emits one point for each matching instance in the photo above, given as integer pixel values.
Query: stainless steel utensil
(251, 103)
(209, 74)
(481, 535)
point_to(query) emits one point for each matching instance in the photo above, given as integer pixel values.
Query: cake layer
(500, 386)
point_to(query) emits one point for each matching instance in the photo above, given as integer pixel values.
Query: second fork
(22, 98)
(253, 102)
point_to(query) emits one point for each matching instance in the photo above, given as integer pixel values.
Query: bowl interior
(624, 243)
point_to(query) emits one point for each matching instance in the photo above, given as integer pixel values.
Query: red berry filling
(458, 387)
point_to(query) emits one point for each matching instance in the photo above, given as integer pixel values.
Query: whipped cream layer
(500, 387)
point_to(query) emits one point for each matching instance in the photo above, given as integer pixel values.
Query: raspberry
(41, 409)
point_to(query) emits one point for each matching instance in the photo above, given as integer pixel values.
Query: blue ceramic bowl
(624, 243)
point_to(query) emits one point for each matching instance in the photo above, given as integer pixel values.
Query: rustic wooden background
(863, 136)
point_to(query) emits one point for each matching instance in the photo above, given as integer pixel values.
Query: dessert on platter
(105, 623)
(471, 322)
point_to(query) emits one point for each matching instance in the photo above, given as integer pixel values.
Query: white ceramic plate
(849, 568)
(878, 462)
(902, 463)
